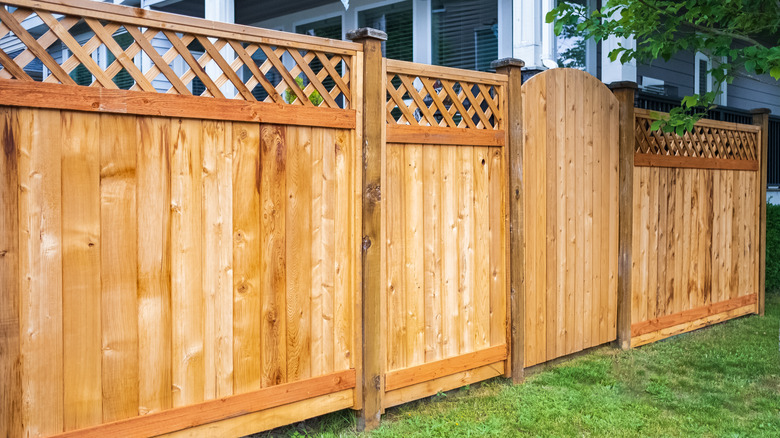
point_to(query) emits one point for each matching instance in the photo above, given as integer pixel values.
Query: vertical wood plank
(693, 239)
(571, 211)
(414, 272)
(218, 257)
(652, 250)
(600, 230)
(327, 252)
(705, 239)
(10, 280)
(551, 219)
(187, 299)
(81, 276)
(40, 262)
(118, 215)
(247, 359)
(465, 187)
(562, 244)
(298, 227)
(316, 288)
(588, 115)
(481, 250)
(396, 287)
(154, 265)
(498, 290)
(537, 218)
(685, 189)
(450, 309)
(663, 236)
(432, 251)
(579, 218)
(273, 164)
(532, 146)
(345, 251)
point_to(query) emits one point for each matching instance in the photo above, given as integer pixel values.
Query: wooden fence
(212, 230)
(696, 216)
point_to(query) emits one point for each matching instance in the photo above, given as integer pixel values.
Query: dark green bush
(772, 248)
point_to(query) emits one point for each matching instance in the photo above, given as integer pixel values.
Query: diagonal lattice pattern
(708, 139)
(114, 51)
(422, 100)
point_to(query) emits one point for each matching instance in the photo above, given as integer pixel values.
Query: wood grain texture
(40, 263)
(217, 244)
(154, 265)
(436, 369)
(81, 270)
(273, 163)
(119, 308)
(10, 280)
(187, 298)
(699, 228)
(247, 360)
(570, 214)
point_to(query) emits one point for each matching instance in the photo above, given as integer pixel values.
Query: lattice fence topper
(419, 100)
(116, 52)
(708, 139)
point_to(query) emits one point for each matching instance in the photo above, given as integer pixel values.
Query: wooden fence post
(373, 100)
(624, 91)
(761, 118)
(514, 157)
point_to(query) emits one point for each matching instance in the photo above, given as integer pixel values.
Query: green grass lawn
(721, 381)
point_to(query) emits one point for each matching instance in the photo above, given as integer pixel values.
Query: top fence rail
(81, 42)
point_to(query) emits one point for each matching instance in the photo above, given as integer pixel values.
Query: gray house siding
(677, 72)
(750, 91)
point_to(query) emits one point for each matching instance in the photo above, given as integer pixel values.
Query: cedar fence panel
(445, 240)
(180, 263)
(570, 158)
(696, 224)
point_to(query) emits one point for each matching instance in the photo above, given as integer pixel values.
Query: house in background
(470, 34)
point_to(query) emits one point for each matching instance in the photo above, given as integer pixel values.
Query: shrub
(314, 97)
(772, 248)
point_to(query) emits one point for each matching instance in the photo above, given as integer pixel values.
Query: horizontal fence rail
(106, 47)
(711, 144)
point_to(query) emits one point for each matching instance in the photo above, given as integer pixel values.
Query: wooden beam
(690, 315)
(444, 136)
(372, 102)
(651, 160)
(93, 99)
(511, 68)
(761, 119)
(624, 91)
(216, 410)
(445, 367)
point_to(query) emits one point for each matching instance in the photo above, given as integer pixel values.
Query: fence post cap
(507, 62)
(757, 111)
(623, 84)
(366, 33)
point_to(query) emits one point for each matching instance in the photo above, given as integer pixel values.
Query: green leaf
(690, 101)
(656, 125)
(775, 72)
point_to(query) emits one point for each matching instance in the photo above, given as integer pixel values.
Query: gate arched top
(571, 76)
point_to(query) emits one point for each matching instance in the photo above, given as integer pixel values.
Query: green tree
(743, 32)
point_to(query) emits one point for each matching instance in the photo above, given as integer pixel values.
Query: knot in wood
(366, 243)
(377, 383)
(373, 193)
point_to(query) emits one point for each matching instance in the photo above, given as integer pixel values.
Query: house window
(123, 80)
(702, 78)
(327, 28)
(396, 20)
(571, 48)
(464, 33)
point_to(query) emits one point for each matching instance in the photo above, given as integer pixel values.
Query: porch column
(614, 71)
(225, 12)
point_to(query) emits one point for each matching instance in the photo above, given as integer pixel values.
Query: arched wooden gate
(570, 165)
